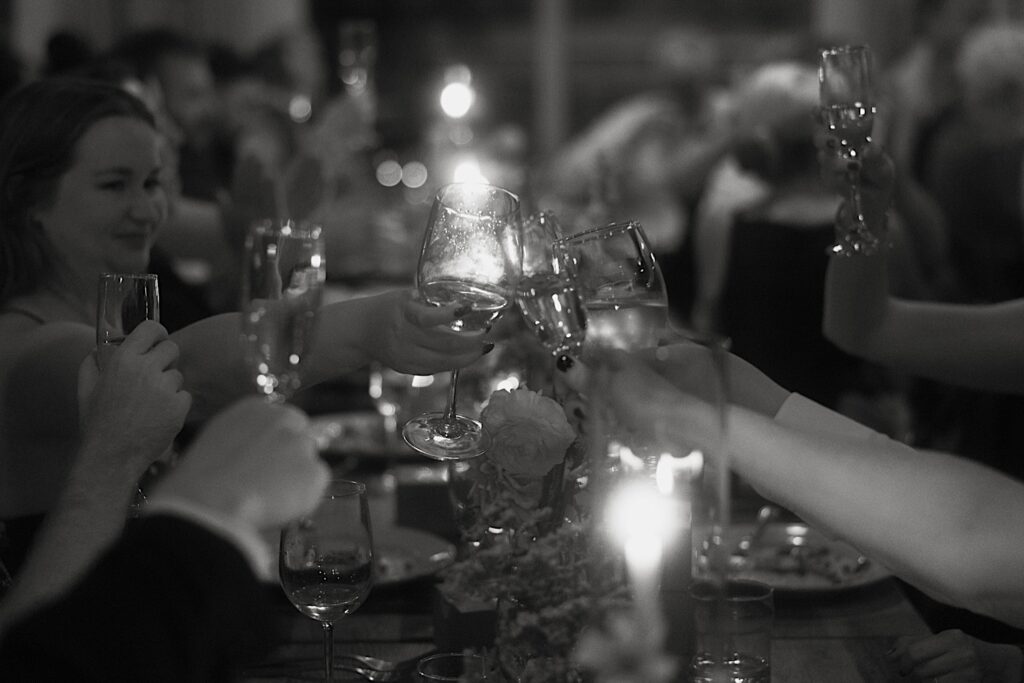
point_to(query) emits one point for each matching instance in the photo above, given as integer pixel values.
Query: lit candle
(643, 553)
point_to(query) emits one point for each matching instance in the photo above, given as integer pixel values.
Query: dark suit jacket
(169, 602)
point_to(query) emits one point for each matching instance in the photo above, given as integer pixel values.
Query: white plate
(405, 554)
(797, 559)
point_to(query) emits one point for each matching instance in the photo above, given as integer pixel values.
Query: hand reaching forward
(413, 337)
(955, 656)
(134, 408)
(255, 463)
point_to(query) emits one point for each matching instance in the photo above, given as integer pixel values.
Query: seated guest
(177, 597)
(83, 195)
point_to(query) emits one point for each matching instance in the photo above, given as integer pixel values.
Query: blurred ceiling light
(414, 174)
(468, 171)
(389, 173)
(457, 99)
(300, 108)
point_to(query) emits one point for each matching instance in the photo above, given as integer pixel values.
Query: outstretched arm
(944, 524)
(969, 345)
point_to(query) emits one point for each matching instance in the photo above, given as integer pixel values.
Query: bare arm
(975, 346)
(946, 524)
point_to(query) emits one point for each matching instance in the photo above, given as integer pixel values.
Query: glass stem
(450, 427)
(328, 650)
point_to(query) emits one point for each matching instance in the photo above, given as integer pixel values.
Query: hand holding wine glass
(848, 112)
(471, 256)
(124, 301)
(326, 560)
(282, 291)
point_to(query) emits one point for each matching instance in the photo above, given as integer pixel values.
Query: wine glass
(848, 112)
(472, 257)
(547, 296)
(124, 300)
(620, 284)
(326, 559)
(283, 282)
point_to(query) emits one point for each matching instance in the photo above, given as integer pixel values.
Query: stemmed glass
(547, 296)
(620, 284)
(326, 560)
(471, 256)
(848, 112)
(123, 301)
(282, 290)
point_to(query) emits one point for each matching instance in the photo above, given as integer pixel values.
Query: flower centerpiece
(542, 565)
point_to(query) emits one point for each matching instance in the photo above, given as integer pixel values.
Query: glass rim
(128, 276)
(516, 201)
(337, 488)
(287, 226)
(615, 227)
(845, 49)
(750, 590)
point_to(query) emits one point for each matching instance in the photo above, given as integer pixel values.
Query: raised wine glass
(547, 296)
(282, 290)
(326, 560)
(848, 112)
(620, 284)
(471, 256)
(124, 301)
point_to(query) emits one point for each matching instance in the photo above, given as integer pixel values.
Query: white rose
(529, 432)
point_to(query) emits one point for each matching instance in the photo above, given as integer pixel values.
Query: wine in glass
(282, 291)
(326, 560)
(848, 112)
(620, 284)
(471, 257)
(547, 296)
(124, 301)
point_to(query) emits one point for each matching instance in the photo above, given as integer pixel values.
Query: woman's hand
(133, 409)
(876, 171)
(414, 337)
(955, 656)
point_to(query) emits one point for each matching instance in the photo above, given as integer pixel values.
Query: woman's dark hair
(40, 125)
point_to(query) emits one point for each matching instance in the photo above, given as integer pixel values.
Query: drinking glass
(547, 296)
(125, 300)
(472, 257)
(848, 112)
(282, 289)
(452, 667)
(620, 284)
(326, 560)
(733, 628)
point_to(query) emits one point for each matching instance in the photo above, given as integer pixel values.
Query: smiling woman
(80, 194)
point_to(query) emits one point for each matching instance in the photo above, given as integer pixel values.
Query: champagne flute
(620, 284)
(547, 296)
(326, 560)
(471, 256)
(848, 112)
(282, 290)
(124, 300)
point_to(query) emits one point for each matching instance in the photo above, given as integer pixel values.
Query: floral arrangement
(538, 559)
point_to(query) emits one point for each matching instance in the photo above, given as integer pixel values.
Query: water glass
(125, 300)
(733, 630)
(451, 667)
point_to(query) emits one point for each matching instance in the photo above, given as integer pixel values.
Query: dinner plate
(799, 560)
(405, 554)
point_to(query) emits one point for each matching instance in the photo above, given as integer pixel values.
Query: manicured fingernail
(564, 363)
(488, 347)
(462, 311)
